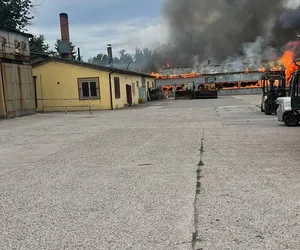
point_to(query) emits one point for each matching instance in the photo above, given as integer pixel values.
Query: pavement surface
(184, 174)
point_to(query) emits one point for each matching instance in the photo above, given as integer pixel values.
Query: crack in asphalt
(196, 238)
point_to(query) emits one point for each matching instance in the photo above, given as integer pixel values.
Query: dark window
(88, 88)
(93, 88)
(85, 89)
(117, 87)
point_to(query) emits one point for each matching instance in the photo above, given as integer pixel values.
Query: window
(88, 88)
(133, 88)
(137, 84)
(117, 87)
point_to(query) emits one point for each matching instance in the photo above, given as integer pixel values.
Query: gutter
(110, 90)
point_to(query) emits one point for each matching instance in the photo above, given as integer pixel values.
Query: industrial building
(65, 84)
(230, 79)
(17, 90)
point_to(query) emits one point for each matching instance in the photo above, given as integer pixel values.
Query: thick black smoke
(219, 30)
(291, 19)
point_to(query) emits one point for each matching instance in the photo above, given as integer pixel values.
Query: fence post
(90, 106)
(65, 106)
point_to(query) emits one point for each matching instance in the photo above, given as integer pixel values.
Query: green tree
(143, 59)
(125, 58)
(100, 59)
(15, 14)
(38, 45)
(73, 50)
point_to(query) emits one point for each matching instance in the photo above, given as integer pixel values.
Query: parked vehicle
(191, 90)
(157, 94)
(289, 107)
(273, 86)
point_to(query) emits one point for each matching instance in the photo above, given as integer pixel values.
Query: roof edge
(89, 65)
(15, 31)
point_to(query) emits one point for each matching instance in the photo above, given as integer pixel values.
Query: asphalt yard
(176, 174)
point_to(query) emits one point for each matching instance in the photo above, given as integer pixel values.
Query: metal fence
(62, 105)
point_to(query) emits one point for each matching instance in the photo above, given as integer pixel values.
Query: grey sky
(94, 23)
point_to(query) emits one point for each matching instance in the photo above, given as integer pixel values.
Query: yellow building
(64, 84)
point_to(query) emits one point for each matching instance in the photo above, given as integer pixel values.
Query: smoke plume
(291, 19)
(228, 30)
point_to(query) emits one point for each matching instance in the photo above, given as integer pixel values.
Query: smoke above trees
(227, 30)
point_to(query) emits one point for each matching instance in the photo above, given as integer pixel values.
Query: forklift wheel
(291, 120)
(267, 108)
(261, 108)
(267, 112)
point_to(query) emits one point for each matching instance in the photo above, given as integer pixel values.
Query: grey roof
(224, 68)
(15, 31)
(43, 60)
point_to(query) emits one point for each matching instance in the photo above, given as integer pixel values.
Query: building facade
(64, 84)
(17, 90)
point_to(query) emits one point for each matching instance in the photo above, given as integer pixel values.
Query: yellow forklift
(205, 90)
(273, 86)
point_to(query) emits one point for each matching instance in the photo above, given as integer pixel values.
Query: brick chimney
(65, 34)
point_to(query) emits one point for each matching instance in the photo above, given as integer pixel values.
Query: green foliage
(100, 59)
(143, 60)
(73, 50)
(15, 14)
(38, 45)
(125, 58)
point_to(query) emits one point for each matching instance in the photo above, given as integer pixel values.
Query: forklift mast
(294, 91)
(272, 91)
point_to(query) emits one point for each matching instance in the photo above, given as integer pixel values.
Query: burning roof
(226, 68)
(174, 73)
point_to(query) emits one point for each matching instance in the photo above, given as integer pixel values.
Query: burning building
(202, 31)
(230, 78)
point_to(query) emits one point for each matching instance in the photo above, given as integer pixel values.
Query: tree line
(18, 15)
(140, 59)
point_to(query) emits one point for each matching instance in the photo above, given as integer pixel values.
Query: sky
(126, 24)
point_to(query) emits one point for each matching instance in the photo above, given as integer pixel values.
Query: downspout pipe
(2, 91)
(110, 90)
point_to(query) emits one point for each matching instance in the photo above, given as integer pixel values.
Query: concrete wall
(134, 81)
(250, 91)
(14, 45)
(135, 85)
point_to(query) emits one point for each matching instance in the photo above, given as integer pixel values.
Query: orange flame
(288, 61)
(262, 69)
(185, 75)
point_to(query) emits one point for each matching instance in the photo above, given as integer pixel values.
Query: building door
(129, 94)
